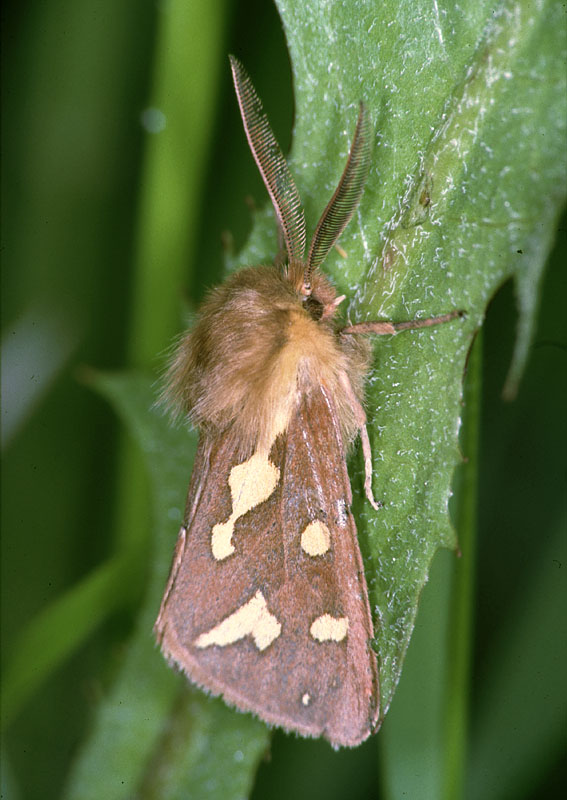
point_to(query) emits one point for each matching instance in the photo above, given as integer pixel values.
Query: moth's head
(319, 297)
(314, 307)
(322, 301)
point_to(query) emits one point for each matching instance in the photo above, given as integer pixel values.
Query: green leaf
(467, 184)
(59, 631)
(428, 724)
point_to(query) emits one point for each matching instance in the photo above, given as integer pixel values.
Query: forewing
(267, 601)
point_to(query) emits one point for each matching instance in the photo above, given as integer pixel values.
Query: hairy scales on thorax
(257, 346)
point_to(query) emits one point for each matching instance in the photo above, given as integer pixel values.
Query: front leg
(384, 328)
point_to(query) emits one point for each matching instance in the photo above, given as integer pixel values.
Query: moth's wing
(267, 603)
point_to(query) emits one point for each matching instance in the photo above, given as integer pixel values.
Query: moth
(267, 603)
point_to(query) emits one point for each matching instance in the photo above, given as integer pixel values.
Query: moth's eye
(313, 307)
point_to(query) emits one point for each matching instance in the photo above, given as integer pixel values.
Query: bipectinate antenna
(346, 198)
(271, 163)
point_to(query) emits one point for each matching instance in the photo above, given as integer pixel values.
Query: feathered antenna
(346, 198)
(271, 163)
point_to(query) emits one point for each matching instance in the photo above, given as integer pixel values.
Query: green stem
(185, 87)
(186, 79)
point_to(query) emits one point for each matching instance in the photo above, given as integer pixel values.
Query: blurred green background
(76, 89)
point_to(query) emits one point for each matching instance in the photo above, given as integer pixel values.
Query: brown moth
(267, 603)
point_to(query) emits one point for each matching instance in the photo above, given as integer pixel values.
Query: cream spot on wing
(280, 420)
(251, 619)
(316, 538)
(221, 540)
(250, 483)
(327, 628)
(306, 699)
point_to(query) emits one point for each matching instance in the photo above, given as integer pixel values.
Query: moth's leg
(360, 418)
(367, 453)
(382, 328)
